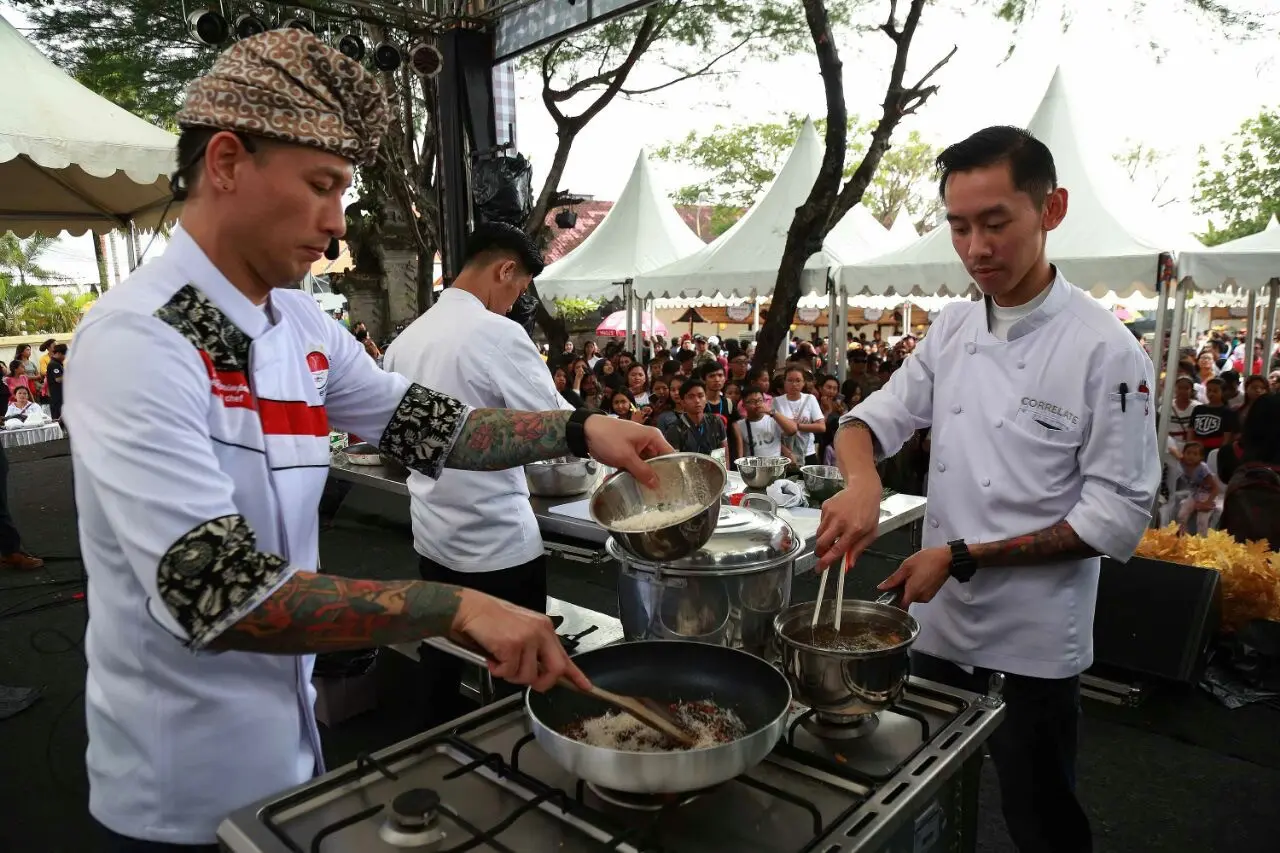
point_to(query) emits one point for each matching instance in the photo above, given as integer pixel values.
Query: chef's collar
(186, 254)
(1059, 295)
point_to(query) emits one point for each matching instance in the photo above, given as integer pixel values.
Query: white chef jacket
(1026, 433)
(474, 521)
(197, 497)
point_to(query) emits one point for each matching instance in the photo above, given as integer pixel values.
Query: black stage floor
(1179, 774)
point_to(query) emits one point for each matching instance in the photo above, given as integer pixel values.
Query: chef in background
(476, 529)
(1044, 458)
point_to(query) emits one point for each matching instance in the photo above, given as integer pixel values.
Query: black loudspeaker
(1156, 619)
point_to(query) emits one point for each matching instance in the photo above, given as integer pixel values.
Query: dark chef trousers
(10, 542)
(1034, 750)
(114, 843)
(524, 585)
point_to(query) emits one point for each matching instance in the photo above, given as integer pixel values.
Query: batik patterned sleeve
(149, 486)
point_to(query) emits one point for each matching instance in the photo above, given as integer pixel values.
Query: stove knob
(416, 807)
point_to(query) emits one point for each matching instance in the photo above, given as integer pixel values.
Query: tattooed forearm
(495, 439)
(1053, 544)
(850, 450)
(324, 613)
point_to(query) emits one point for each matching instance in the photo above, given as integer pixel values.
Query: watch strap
(575, 433)
(962, 563)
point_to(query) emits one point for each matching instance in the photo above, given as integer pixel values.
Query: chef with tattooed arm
(198, 502)
(1043, 458)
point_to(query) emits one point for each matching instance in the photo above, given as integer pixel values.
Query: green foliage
(1240, 189)
(21, 259)
(53, 313)
(136, 53)
(688, 39)
(576, 310)
(740, 160)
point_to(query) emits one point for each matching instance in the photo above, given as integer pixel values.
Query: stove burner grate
(830, 727)
(645, 802)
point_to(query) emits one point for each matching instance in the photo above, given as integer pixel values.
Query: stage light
(298, 24)
(566, 218)
(425, 60)
(386, 57)
(248, 25)
(208, 27)
(352, 46)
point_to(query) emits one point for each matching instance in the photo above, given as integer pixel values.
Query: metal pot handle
(449, 647)
(893, 597)
(771, 506)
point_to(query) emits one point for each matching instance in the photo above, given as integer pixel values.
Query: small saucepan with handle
(860, 670)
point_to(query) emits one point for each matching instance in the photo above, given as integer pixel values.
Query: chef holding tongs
(1043, 458)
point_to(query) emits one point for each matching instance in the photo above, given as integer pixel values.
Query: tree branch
(705, 70)
(899, 101)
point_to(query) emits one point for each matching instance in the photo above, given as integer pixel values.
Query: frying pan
(666, 671)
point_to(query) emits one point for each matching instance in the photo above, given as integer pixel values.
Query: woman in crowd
(623, 405)
(638, 384)
(832, 407)
(804, 410)
(21, 406)
(659, 400)
(1251, 509)
(18, 377)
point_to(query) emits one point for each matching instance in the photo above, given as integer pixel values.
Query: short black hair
(58, 349)
(709, 368)
(192, 142)
(1030, 161)
(498, 238)
(691, 384)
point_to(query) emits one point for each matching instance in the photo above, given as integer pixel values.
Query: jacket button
(955, 410)
(971, 348)
(933, 522)
(986, 481)
(999, 422)
(1022, 365)
(942, 467)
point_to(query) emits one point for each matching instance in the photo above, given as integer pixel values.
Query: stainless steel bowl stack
(822, 481)
(690, 486)
(759, 471)
(562, 477)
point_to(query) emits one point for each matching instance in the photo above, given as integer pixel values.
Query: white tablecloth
(30, 435)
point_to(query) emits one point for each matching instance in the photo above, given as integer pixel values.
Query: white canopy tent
(1106, 243)
(743, 262)
(641, 232)
(70, 160)
(1250, 264)
(903, 231)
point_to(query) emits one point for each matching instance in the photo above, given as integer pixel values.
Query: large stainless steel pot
(846, 683)
(727, 593)
(562, 477)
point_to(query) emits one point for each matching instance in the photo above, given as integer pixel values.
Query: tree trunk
(810, 224)
(100, 255)
(551, 325)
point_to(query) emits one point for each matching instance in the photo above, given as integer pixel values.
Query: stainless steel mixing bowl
(688, 482)
(822, 481)
(759, 471)
(562, 477)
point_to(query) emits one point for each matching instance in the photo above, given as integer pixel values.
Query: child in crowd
(1196, 492)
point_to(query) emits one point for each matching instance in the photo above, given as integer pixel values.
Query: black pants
(10, 542)
(1034, 751)
(524, 585)
(114, 843)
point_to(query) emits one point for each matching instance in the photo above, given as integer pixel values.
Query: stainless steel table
(583, 541)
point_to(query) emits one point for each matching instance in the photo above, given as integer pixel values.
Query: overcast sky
(1194, 89)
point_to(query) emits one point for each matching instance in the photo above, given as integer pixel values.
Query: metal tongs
(822, 587)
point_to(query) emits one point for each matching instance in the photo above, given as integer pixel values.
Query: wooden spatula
(648, 711)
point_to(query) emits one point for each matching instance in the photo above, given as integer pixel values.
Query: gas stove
(903, 780)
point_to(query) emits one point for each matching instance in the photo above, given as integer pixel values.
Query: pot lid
(744, 538)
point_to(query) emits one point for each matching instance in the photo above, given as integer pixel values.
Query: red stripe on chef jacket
(292, 417)
(229, 386)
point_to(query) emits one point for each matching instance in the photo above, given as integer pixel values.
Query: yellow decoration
(1250, 572)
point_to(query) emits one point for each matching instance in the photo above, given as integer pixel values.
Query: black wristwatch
(962, 563)
(575, 433)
